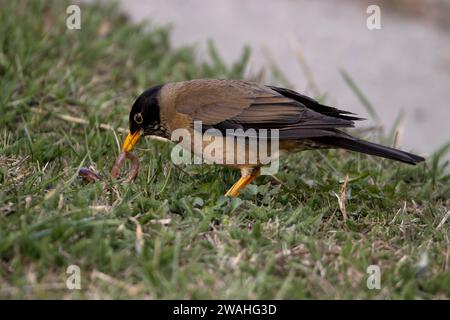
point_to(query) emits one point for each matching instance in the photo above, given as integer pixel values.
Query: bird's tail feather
(367, 147)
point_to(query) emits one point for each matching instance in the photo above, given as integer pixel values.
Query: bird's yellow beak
(131, 140)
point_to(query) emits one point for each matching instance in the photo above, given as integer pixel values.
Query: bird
(224, 105)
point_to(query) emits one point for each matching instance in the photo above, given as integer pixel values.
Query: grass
(172, 234)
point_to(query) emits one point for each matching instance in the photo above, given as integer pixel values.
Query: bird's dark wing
(232, 104)
(315, 105)
(215, 101)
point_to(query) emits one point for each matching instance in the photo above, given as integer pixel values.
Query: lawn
(64, 102)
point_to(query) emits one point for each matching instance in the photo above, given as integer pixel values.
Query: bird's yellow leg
(243, 181)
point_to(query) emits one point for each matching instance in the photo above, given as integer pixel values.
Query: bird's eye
(138, 118)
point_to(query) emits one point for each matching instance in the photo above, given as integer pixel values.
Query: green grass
(276, 241)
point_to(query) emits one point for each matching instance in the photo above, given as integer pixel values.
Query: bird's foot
(243, 181)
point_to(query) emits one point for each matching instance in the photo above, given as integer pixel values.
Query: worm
(90, 176)
(115, 171)
(116, 167)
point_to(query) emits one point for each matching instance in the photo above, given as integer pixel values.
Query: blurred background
(403, 69)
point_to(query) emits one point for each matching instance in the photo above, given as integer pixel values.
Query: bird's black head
(144, 118)
(144, 114)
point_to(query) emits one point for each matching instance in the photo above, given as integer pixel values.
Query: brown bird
(229, 105)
